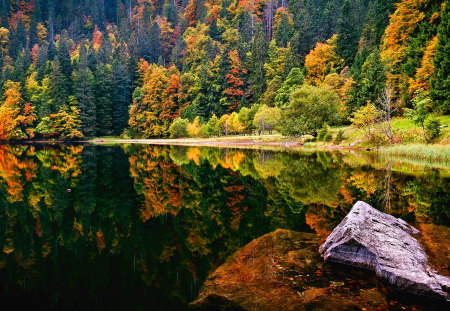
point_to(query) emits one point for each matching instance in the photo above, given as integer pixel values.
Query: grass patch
(419, 151)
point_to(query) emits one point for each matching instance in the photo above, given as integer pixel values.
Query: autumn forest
(159, 68)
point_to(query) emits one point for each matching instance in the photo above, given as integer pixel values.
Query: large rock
(371, 239)
(282, 270)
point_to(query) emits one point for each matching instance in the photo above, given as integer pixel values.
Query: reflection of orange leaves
(364, 181)
(100, 238)
(13, 171)
(433, 237)
(193, 154)
(156, 181)
(232, 160)
(316, 218)
(78, 227)
(346, 195)
(38, 228)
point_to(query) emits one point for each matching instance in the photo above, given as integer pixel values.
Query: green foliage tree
(348, 34)
(365, 118)
(309, 108)
(178, 128)
(294, 80)
(267, 118)
(371, 82)
(440, 84)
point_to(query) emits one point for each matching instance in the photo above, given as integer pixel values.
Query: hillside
(73, 69)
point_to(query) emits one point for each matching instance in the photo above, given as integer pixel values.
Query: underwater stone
(383, 243)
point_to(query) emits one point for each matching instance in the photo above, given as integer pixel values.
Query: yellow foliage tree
(425, 72)
(321, 61)
(16, 116)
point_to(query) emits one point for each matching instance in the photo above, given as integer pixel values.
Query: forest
(159, 68)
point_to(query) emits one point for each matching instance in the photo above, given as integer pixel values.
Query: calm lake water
(140, 227)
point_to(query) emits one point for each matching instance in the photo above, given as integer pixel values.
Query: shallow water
(134, 227)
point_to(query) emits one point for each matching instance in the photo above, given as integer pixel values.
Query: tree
(440, 84)
(234, 80)
(371, 83)
(421, 112)
(387, 109)
(309, 108)
(65, 124)
(365, 117)
(294, 80)
(193, 128)
(155, 101)
(103, 91)
(178, 128)
(322, 60)
(83, 80)
(426, 72)
(347, 38)
(267, 119)
(16, 116)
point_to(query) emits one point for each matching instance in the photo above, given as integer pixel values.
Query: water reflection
(133, 227)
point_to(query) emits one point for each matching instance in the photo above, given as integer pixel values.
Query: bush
(328, 137)
(432, 128)
(339, 137)
(178, 128)
(309, 108)
(322, 133)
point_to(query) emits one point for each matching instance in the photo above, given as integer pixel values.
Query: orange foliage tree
(403, 22)
(16, 116)
(425, 72)
(235, 89)
(321, 61)
(155, 103)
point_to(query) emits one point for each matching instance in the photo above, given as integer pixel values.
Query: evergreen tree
(371, 83)
(257, 59)
(121, 96)
(440, 84)
(103, 90)
(347, 40)
(84, 93)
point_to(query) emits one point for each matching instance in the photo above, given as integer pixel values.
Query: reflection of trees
(156, 178)
(430, 196)
(15, 170)
(165, 216)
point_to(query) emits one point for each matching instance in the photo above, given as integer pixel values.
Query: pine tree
(121, 96)
(83, 89)
(347, 40)
(103, 91)
(371, 83)
(440, 85)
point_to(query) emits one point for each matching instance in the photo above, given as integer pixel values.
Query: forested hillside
(84, 68)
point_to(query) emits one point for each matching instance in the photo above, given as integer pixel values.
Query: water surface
(134, 227)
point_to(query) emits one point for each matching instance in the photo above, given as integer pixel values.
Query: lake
(140, 227)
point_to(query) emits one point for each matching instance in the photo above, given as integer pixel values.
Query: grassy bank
(409, 141)
(419, 151)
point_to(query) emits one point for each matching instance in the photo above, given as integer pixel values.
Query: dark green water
(140, 227)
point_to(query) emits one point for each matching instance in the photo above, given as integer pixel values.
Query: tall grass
(419, 151)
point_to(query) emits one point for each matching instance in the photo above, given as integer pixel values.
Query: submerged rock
(371, 239)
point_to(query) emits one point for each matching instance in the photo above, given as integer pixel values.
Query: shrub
(432, 128)
(309, 108)
(339, 137)
(322, 133)
(328, 137)
(178, 128)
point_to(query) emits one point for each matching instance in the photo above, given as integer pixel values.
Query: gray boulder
(380, 242)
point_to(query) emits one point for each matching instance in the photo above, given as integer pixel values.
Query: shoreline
(433, 153)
